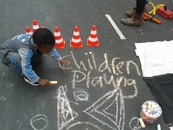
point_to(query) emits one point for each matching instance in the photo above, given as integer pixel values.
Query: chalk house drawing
(65, 114)
(99, 110)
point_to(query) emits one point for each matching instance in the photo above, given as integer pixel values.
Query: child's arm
(55, 55)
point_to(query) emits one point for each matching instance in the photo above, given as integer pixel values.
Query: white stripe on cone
(76, 40)
(93, 39)
(59, 41)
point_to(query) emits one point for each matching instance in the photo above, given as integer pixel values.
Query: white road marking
(122, 37)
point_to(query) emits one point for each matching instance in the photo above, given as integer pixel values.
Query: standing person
(23, 50)
(135, 16)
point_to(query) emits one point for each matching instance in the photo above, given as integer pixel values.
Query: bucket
(150, 112)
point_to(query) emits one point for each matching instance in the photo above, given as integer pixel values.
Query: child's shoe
(33, 84)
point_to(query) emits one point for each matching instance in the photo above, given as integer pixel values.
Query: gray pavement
(104, 93)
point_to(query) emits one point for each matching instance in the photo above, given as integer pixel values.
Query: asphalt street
(102, 88)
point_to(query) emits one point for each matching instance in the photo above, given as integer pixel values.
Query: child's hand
(63, 63)
(44, 82)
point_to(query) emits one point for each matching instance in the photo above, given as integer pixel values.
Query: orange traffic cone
(27, 30)
(59, 42)
(76, 41)
(93, 39)
(35, 25)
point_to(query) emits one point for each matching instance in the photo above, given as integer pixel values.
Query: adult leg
(136, 14)
(140, 5)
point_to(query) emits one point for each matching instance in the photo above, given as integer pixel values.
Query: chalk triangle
(100, 110)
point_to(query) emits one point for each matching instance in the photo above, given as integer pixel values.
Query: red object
(34, 25)
(59, 42)
(76, 41)
(166, 13)
(27, 30)
(93, 39)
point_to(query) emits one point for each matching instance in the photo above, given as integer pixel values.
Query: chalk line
(122, 37)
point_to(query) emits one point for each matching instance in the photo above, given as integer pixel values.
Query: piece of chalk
(53, 82)
(142, 123)
(158, 127)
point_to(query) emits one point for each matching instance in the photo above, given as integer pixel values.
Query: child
(22, 51)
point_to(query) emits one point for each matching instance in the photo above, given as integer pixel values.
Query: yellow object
(54, 82)
(153, 11)
(151, 14)
(142, 123)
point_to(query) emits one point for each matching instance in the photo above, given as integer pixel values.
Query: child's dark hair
(43, 37)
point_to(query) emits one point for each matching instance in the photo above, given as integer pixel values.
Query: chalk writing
(38, 120)
(113, 73)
